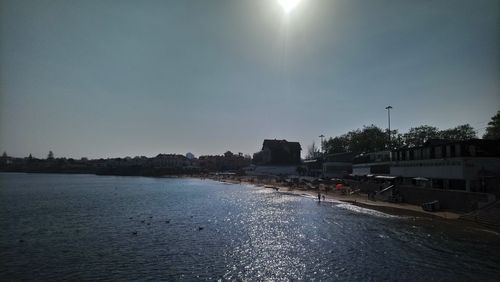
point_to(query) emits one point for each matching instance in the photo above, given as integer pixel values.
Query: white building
(472, 165)
(372, 163)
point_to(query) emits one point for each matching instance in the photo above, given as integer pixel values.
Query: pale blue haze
(125, 78)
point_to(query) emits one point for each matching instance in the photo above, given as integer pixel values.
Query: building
(226, 162)
(338, 165)
(472, 165)
(278, 152)
(313, 167)
(372, 163)
(170, 161)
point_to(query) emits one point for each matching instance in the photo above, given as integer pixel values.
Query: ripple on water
(248, 234)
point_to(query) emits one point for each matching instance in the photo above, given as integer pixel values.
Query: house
(226, 162)
(278, 152)
(170, 161)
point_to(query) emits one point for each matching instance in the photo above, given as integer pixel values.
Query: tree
(50, 156)
(313, 151)
(459, 133)
(4, 155)
(493, 129)
(369, 139)
(338, 144)
(417, 136)
(397, 140)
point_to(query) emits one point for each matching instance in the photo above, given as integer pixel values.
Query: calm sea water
(85, 227)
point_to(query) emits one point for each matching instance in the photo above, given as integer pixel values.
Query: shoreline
(400, 210)
(361, 200)
(358, 199)
(355, 199)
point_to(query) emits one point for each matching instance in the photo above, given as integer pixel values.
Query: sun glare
(288, 5)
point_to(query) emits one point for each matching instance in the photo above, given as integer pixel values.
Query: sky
(106, 78)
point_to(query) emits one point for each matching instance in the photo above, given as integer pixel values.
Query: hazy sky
(123, 78)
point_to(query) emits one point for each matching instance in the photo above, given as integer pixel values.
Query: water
(85, 227)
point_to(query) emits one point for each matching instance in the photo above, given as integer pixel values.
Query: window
(457, 184)
(426, 153)
(457, 150)
(438, 152)
(472, 150)
(418, 154)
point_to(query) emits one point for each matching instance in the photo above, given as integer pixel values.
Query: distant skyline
(129, 78)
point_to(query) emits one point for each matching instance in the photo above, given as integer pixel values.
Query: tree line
(373, 138)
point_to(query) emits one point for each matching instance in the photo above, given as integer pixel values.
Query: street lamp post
(321, 136)
(388, 108)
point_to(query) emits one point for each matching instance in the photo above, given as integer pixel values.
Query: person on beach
(319, 197)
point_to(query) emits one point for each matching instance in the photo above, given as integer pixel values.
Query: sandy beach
(358, 199)
(362, 200)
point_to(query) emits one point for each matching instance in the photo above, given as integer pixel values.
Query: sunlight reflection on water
(132, 228)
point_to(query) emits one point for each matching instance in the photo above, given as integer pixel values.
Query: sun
(288, 5)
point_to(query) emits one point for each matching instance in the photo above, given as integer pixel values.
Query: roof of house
(170, 156)
(274, 144)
